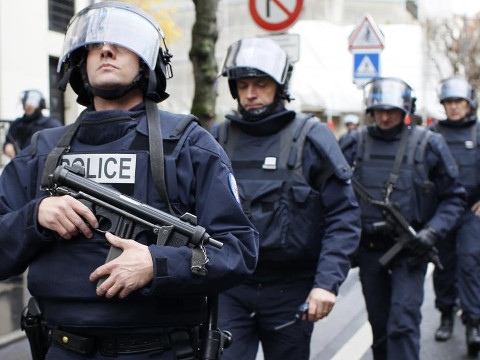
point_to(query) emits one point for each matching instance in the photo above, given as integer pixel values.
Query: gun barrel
(197, 234)
(391, 253)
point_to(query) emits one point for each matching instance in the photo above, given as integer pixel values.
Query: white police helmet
(257, 57)
(351, 119)
(386, 93)
(33, 98)
(457, 88)
(120, 24)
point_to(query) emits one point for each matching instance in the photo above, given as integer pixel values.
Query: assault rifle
(127, 218)
(408, 235)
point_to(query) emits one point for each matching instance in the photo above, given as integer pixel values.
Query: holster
(213, 344)
(213, 339)
(37, 334)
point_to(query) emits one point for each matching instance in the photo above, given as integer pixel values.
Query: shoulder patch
(233, 187)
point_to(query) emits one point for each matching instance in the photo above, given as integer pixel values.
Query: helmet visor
(118, 26)
(388, 93)
(260, 54)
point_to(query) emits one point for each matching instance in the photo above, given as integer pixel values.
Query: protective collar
(32, 117)
(386, 135)
(466, 122)
(261, 113)
(266, 126)
(97, 127)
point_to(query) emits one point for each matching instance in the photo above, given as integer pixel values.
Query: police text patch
(105, 168)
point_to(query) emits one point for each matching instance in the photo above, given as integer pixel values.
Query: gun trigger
(61, 191)
(163, 233)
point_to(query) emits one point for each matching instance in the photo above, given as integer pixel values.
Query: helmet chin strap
(261, 113)
(112, 94)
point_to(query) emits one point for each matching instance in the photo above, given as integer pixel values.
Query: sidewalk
(13, 342)
(12, 300)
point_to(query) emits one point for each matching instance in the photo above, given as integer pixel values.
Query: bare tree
(202, 56)
(454, 47)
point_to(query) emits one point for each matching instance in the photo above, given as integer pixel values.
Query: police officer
(22, 129)
(294, 184)
(152, 303)
(351, 122)
(413, 169)
(461, 132)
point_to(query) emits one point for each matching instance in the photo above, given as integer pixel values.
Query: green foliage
(163, 17)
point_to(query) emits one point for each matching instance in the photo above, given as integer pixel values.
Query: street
(343, 335)
(346, 334)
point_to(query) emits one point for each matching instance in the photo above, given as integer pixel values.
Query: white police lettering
(105, 168)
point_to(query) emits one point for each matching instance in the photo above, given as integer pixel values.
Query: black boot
(444, 331)
(473, 335)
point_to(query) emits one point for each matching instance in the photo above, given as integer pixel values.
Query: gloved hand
(392, 225)
(427, 238)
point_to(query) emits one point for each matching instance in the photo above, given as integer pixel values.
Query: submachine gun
(407, 234)
(126, 217)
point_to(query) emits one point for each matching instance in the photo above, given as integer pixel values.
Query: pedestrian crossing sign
(366, 66)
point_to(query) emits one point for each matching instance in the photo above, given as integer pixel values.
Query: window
(57, 106)
(59, 14)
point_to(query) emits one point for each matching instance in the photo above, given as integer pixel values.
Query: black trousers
(252, 311)
(393, 299)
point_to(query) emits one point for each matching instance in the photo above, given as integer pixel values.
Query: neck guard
(266, 126)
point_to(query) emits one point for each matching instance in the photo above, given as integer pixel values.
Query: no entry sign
(275, 15)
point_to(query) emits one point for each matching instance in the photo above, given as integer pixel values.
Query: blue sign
(366, 66)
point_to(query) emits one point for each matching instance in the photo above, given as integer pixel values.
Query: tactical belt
(123, 344)
(376, 242)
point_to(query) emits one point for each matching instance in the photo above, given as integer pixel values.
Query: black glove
(426, 240)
